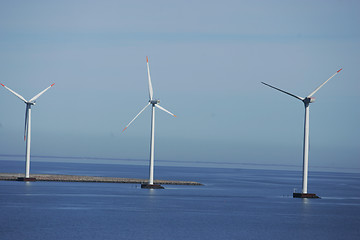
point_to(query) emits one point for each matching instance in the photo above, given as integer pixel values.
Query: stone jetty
(76, 178)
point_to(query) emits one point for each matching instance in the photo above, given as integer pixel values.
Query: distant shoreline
(169, 163)
(76, 178)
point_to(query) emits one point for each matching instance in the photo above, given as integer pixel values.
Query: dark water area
(233, 204)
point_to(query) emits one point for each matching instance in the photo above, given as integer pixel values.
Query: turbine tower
(307, 100)
(154, 103)
(27, 131)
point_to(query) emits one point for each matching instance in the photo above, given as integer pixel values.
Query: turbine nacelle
(308, 100)
(154, 101)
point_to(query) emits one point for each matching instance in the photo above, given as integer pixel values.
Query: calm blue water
(233, 204)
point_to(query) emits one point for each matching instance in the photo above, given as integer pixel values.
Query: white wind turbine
(154, 103)
(27, 131)
(307, 100)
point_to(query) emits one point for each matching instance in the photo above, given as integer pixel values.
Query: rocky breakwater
(76, 178)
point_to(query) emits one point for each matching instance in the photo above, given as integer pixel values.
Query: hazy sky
(207, 59)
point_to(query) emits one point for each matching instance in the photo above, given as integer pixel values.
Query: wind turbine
(307, 100)
(154, 103)
(27, 130)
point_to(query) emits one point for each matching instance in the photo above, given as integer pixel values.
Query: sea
(233, 203)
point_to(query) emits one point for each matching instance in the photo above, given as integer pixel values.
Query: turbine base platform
(24, 179)
(151, 186)
(305, 195)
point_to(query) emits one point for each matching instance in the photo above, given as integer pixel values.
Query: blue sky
(207, 59)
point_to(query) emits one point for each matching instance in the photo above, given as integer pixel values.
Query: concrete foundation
(305, 195)
(24, 179)
(151, 186)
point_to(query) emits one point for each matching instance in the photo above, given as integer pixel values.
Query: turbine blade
(15, 93)
(324, 83)
(136, 116)
(151, 91)
(26, 121)
(300, 98)
(160, 107)
(41, 93)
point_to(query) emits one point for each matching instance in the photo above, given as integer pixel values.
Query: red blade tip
(147, 59)
(124, 129)
(2, 85)
(339, 70)
(52, 84)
